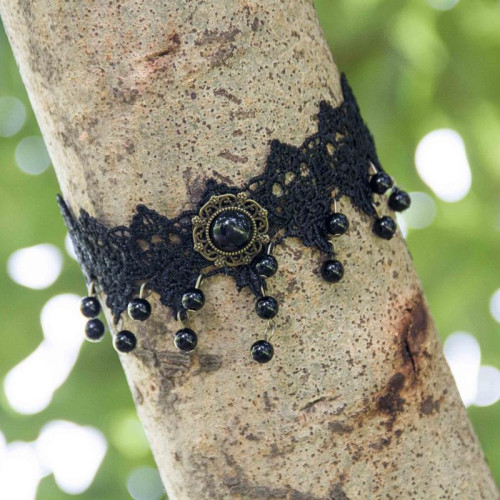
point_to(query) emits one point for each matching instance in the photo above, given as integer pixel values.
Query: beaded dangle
(90, 307)
(266, 307)
(192, 300)
(125, 341)
(138, 309)
(337, 224)
(384, 226)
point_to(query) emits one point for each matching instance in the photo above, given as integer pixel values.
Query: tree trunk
(141, 102)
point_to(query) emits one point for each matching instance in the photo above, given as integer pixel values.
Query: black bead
(266, 307)
(231, 231)
(266, 265)
(90, 307)
(380, 182)
(262, 351)
(332, 271)
(399, 200)
(193, 299)
(139, 309)
(125, 341)
(94, 330)
(385, 227)
(185, 340)
(337, 223)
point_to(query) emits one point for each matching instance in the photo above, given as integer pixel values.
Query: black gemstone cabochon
(231, 231)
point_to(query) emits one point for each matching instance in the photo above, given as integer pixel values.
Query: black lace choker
(234, 230)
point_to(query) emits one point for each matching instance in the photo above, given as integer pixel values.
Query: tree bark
(142, 101)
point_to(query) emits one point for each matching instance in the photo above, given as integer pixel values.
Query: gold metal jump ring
(199, 281)
(119, 325)
(179, 317)
(271, 325)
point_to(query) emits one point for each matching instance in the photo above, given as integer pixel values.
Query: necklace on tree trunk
(233, 231)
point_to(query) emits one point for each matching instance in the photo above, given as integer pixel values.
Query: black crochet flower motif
(295, 189)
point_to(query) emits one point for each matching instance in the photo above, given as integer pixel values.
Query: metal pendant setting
(230, 230)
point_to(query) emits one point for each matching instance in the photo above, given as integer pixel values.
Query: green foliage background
(413, 69)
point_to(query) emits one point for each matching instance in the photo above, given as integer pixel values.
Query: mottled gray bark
(141, 101)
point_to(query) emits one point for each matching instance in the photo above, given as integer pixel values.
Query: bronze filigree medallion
(230, 230)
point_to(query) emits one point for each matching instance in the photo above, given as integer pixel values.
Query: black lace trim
(296, 188)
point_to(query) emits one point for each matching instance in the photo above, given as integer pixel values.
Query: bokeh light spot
(35, 267)
(145, 484)
(3, 445)
(20, 472)
(442, 164)
(442, 4)
(62, 322)
(495, 305)
(403, 226)
(12, 116)
(421, 213)
(488, 386)
(127, 435)
(463, 354)
(73, 453)
(68, 245)
(30, 385)
(31, 155)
